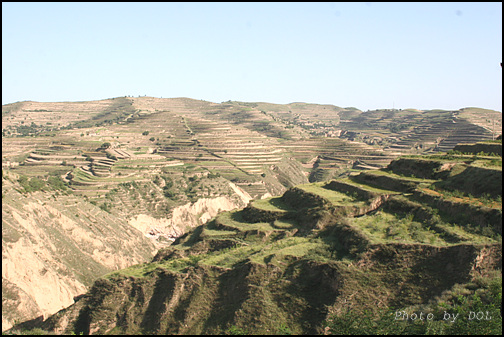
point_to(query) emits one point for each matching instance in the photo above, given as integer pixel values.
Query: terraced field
(401, 218)
(425, 131)
(262, 148)
(58, 113)
(383, 237)
(242, 141)
(166, 163)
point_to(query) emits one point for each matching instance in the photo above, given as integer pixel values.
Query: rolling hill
(389, 239)
(147, 170)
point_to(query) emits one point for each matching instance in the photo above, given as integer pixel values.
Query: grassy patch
(285, 224)
(459, 302)
(298, 247)
(368, 187)
(142, 270)
(272, 204)
(229, 257)
(233, 220)
(383, 227)
(334, 197)
(212, 232)
(400, 177)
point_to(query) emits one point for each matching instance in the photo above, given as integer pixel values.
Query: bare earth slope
(53, 248)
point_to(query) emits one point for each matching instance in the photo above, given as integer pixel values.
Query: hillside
(131, 168)
(242, 140)
(54, 244)
(407, 236)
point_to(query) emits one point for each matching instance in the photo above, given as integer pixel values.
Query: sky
(364, 55)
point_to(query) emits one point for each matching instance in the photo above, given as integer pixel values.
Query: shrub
(111, 156)
(37, 184)
(234, 330)
(106, 207)
(31, 185)
(56, 183)
(386, 321)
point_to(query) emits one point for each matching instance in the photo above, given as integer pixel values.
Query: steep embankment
(54, 246)
(287, 264)
(183, 218)
(267, 296)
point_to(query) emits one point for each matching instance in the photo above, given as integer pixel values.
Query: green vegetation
(272, 204)
(384, 227)
(291, 267)
(34, 184)
(35, 331)
(105, 145)
(233, 220)
(468, 313)
(334, 197)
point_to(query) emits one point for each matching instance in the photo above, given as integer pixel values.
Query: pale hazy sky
(364, 55)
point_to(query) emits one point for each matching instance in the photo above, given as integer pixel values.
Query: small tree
(145, 133)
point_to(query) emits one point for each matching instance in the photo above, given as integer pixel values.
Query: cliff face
(183, 218)
(54, 247)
